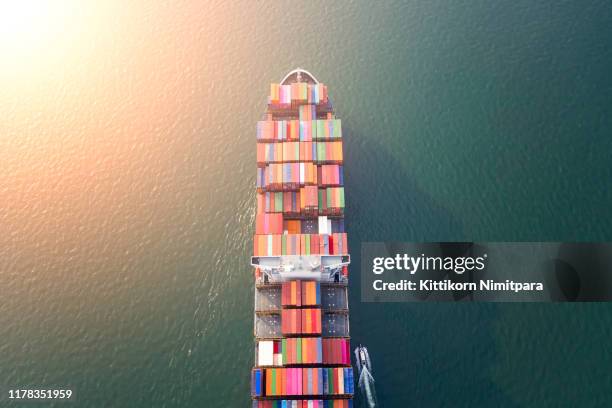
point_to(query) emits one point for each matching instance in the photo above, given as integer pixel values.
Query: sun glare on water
(25, 25)
(38, 36)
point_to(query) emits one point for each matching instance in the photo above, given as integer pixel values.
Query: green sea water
(127, 203)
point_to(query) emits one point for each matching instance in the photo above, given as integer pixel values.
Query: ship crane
(322, 268)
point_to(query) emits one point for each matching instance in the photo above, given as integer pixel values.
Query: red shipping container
(261, 203)
(322, 200)
(276, 245)
(256, 246)
(291, 293)
(340, 243)
(303, 244)
(336, 351)
(261, 153)
(314, 244)
(291, 202)
(291, 321)
(292, 244)
(295, 91)
(292, 350)
(269, 223)
(311, 321)
(325, 346)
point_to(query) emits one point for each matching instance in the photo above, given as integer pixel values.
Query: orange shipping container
(293, 226)
(295, 91)
(309, 197)
(311, 293)
(291, 151)
(308, 173)
(311, 321)
(306, 151)
(269, 382)
(267, 245)
(336, 148)
(278, 153)
(293, 130)
(274, 93)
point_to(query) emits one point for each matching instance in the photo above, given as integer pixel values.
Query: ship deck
(334, 298)
(268, 326)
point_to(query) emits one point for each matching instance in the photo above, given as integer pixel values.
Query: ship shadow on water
(425, 354)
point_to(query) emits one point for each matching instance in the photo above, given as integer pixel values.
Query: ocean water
(127, 157)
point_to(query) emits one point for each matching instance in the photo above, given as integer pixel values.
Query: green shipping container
(307, 241)
(337, 129)
(278, 201)
(299, 350)
(284, 350)
(296, 150)
(320, 128)
(283, 245)
(341, 196)
(321, 152)
(321, 199)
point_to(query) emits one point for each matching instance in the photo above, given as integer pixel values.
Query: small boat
(366, 380)
(363, 359)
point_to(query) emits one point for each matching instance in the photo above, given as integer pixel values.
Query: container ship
(300, 253)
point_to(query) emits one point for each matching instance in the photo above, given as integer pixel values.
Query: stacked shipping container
(300, 209)
(304, 350)
(297, 92)
(298, 244)
(301, 381)
(338, 403)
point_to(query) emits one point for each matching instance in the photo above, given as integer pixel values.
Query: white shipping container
(266, 353)
(270, 246)
(323, 225)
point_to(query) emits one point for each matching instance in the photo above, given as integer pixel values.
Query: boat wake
(366, 380)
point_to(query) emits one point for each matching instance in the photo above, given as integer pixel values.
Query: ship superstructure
(300, 255)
